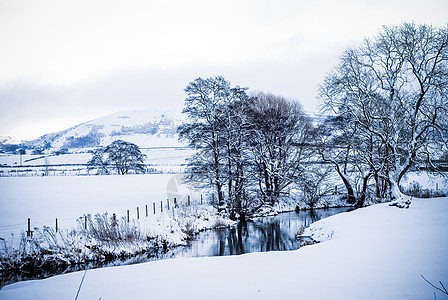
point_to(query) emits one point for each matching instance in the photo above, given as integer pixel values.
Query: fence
(148, 210)
(78, 170)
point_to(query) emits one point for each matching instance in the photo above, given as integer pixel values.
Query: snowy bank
(378, 252)
(148, 219)
(105, 239)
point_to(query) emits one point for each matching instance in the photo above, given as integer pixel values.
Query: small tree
(98, 162)
(121, 156)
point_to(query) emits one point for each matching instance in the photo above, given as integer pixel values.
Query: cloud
(65, 62)
(30, 110)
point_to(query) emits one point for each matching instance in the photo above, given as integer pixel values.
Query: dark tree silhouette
(120, 156)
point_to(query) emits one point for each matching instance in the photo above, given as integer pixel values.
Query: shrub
(416, 190)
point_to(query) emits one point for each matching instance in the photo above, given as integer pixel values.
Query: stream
(276, 233)
(272, 233)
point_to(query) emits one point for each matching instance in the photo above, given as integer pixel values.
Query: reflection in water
(260, 235)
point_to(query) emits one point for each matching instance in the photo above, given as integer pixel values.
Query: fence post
(128, 214)
(188, 200)
(437, 186)
(138, 214)
(29, 232)
(168, 203)
(56, 225)
(85, 222)
(201, 199)
(146, 207)
(154, 207)
(175, 203)
(161, 206)
(114, 219)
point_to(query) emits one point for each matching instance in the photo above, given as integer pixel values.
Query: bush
(110, 230)
(104, 239)
(416, 190)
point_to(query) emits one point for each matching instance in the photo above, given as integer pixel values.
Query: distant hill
(145, 128)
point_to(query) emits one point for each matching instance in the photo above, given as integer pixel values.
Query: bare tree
(277, 136)
(125, 156)
(119, 155)
(336, 143)
(210, 131)
(394, 87)
(237, 156)
(248, 148)
(98, 162)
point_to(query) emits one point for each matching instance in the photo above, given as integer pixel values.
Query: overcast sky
(66, 62)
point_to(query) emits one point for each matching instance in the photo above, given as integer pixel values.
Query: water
(276, 233)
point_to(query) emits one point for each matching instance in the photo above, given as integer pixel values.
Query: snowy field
(43, 199)
(162, 159)
(156, 156)
(378, 252)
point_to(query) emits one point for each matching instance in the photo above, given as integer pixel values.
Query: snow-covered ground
(146, 128)
(378, 252)
(43, 199)
(162, 159)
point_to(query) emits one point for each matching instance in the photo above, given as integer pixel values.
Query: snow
(378, 252)
(69, 197)
(425, 180)
(163, 159)
(166, 134)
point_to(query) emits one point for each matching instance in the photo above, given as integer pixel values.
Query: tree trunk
(268, 188)
(362, 199)
(394, 191)
(351, 194)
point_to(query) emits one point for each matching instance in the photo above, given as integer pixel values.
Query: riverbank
(103, 239)
(71, 220)
(378, 252)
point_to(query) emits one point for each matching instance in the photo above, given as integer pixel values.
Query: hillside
(67, 152)
(144, 128)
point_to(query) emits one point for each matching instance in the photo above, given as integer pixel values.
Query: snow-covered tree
(355, 154)
(248, 148)
(394, 88)
(335, 143)
(98, 162)
(237, 157)
(120, 156)
(209, 130)
(278, 133)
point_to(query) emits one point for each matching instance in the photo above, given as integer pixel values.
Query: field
(43, 199)
(158, 159)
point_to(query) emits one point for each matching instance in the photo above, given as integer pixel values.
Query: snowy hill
(67, 152)
(144, 128)
(9, 140)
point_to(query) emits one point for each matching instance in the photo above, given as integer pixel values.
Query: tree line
(387, 113)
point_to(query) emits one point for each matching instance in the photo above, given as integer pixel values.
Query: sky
(67, 62)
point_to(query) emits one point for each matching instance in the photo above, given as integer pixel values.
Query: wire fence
(150, 210)
(78, 170)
